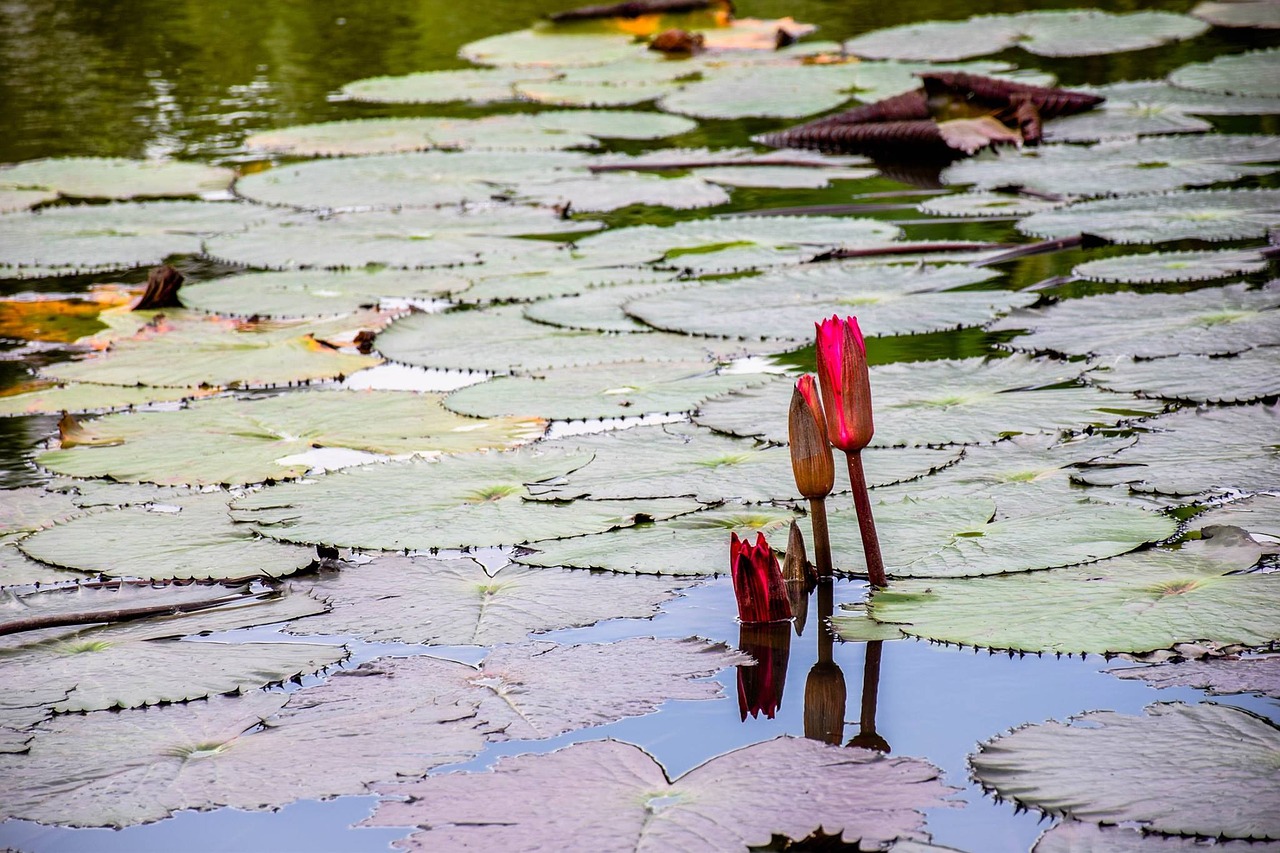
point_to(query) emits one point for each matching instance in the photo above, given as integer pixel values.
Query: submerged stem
(866, 522)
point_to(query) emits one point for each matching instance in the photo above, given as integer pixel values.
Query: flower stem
(821, 538)
(866, 523)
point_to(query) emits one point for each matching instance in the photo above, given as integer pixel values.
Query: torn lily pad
(1249, 74)
(1122, 167)
(463, 340)
(1192, 452)
(474, 85)
(617, 389)
(193, 539)
(979, 204)
(1210, 321)
(964, 401)
(455, 502)
(613, 794)
(889, 300)
(458, 603)
(1244, 378)
(230, 441)
(1172, 266)
(1139, 602)
(316, 293)
(1193, 759)
(116, 178)
(82, 397)
(1210, 215)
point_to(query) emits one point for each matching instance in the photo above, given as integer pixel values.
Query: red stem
(866, 522)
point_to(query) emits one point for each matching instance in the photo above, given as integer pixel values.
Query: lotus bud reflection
(846, 385)
(760, 685)
(757, 581)
(824, 689)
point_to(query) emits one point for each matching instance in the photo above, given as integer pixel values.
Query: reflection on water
(867, 737)
(824, 690)
(760, 686)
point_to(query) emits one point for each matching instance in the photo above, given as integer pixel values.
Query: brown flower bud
(811, 460)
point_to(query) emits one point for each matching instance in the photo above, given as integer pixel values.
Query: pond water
(190, 80)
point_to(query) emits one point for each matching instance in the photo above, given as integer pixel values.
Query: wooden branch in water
(1044, 247)
(121, 614)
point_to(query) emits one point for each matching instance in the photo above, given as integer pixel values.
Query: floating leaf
(541, 284)
(115, 177)
(456, 602)
(553, 50)
(81, 397)
(1250, 74)
(229, 441)
(1252, 375)
(456, 502)
(1191, 452)
(1210, 321)
(966, 401)
(34, 508)
(1220, 676)
(1260, 515)
(599, 309)
(781, 177)
(603, 193)
(17, 569)
(195, 352)
(1262, 14)
(1139, 602)
(315, 293)
(569, 92)
(198, 541)
(1172, 266)
(858, 627)
(612, 794)
(475, 85)
(1204, 215)
(889, 300)
(1121, 167)
(1193, 758)
(1158, 93)
(1077, 836)
(1118, 121)
(464, 341)
(766, 91)
(938, 41)
(16, 200)
(682, 459)
(985, 204)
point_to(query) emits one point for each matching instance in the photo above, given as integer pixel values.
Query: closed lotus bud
(757, 581)
(846, 385)
(811, 460)
(800, 578)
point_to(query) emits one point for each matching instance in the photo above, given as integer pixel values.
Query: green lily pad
(985, 204)
(1077, 836)
(600, 309)
(965, 401)
(568, 92)
(1244, 378)
(455, 502)
(1169, 770)
(1259, 515)
(229, 441)
(1158, 93)
(766, 91)
(781, 177)
(1121, 167)
(81, 397)
(889, 300)
(457, 602)
(613, 794)
(116, 178)
(682, 459)
(1250, 74)
(34, 508)
(1172, 266)
(464, 340)
(1123, 121)
(17, 200)
(1067, 32)
(1260, 14)
(552, 282)
(856, 626)
(606, 192)
(475, 85)
(1191, 452)
(1210, 321)
(315, 293)
(198, 541)
(1139, 602)
(192, 352)
(17, 569)
(1210, 215)
(616, 389)
(551, 50)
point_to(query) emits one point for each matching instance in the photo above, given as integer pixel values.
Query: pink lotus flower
(846, 386)
(757, 581)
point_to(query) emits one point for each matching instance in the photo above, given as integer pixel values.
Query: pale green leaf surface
(116, 177)
(82, 397)
(316, 293)
(1252, 74)
(1210, 215)
(1172, 266)
(1252, 375)
(475, 85)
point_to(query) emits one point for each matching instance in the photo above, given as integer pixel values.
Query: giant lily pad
(1251, 375)
(465, 341)
(1172, 266)
(17, 569)
(1259, 515)
(1139, 602)
(458, 501)
(985, 204)
(769, 91)
(599, 309)
(1067, 32)
(1169, 770)
(1222, 676)
(1211, 321)
(33, 508)
(603, 193)
(116, 177)
(457, 602)
(1157, 93)
(889, 300)
(195, 352)
(199, 540)
(79, 397)
(681, 459)
(1262, 14)
(1121, 167)
(315, 293)
(15, 200)
(965, 401)
(476, 85)
(1119, 121)
(1078, 836)
(549, 49)
(552, 282)
(1210, 215)
(1252, 73)
(1191, 451)
(613, 795)
(230, 441)
(619, 389)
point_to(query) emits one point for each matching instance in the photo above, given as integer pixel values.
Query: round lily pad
(1172, 266)
(15, 200)
(569, 92)
(234, 441)
(116, 177)
(1261, 14)
(315, 293)
(552, 50)
(1220, 676)
(615, 389)
(1169, 770)
(1158, 93)
(458, 501)
(1251, 375)
(985, 204)
(1210, 215)
(1253, 73)
(1122, 121)
(1210, 321)
(599, 309)
(17, 569)
(1077, 836)
(33, 508)
(476, 85)
(81, 397)
(766, 91)
(552, 282)
(939, 41)
(606, 192)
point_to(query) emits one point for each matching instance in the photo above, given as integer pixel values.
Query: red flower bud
(846, 386)
(757, 581)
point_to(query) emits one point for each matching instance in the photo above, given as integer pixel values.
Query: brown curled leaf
(678, 41)
(1000, 94)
